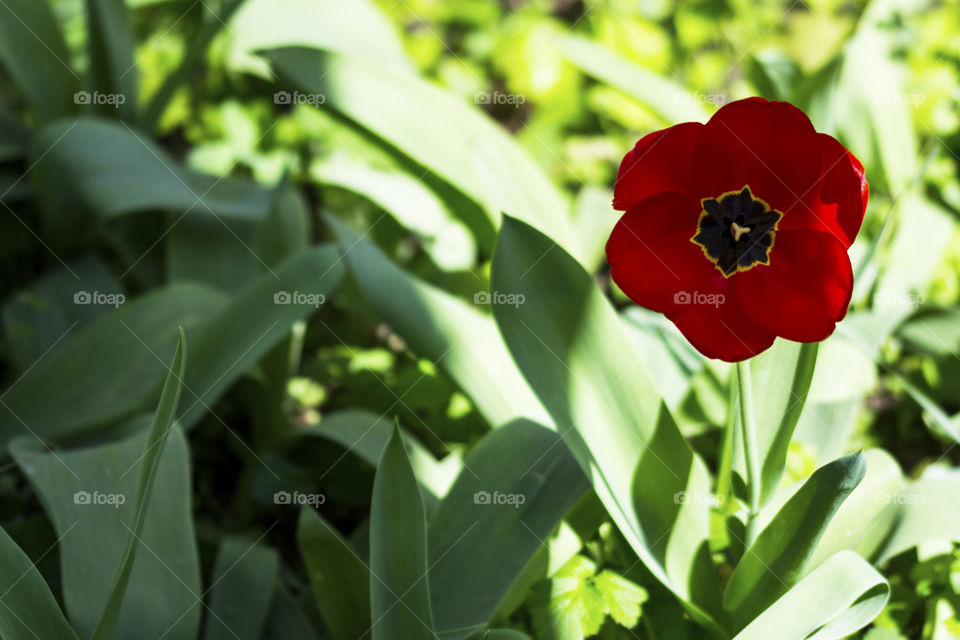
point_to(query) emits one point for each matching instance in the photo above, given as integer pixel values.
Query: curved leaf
(569, 343)
(841, 596)
(29, 609)
(399, 586)
(527, 467)
(777, 559)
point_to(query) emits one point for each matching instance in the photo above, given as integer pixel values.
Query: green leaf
(411, 203)
(777, 560)
(579, 600)
(839, 597)
(446, 330)
(233, 339)
(872, 112)
(287, 619)
(517, 484)
(113, 71)
(156, 439)
(340, 579)
(137, 175)
(668, 99)
(569, 343)
(358, 28)
(44, 315)
(366, 434)
(245, 573)
(29, 610)
(932, 331)
(399, 591)
(35, 55)
(436, 130)
(88, 494)
(108, 371)
(868, 516)
(926, 510)
(783, 373)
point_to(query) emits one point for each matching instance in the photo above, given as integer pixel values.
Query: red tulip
(738, 229)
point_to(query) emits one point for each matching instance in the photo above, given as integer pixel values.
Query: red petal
(722, 331)
(771, 146)
(841, 201)
(650, 253)
(659, 162)
(805, 289)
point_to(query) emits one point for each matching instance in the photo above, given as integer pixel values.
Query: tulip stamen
(738, 231)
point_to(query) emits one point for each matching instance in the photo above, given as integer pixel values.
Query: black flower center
(736, 231)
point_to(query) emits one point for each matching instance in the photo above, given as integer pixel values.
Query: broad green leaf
(927, 512)
(137, 175)
(665, 97)
(781, 376)
(777, 559)
(593, 219)
(569, 343)
(287, 619)
(579, 599)
(366, 434)
(340, 579)
(356, 28)
(286, 231)
(33, 51)
(438, 131)
(108, 371)
(212, 251)
(399, 586)
(906, 271)
(411, 203)
(461, 340)
(29, 609)
(45, 314)
(516, 486)
(89, 495)
(156, 440)
(113, 71)
(865, 520)
(245, 573)
(873, 114)
(231, 340)
(932, 331)
(838, 598)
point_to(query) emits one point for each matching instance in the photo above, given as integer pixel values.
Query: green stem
(748, 432)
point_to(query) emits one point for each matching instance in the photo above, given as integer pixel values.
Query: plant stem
(748, 432)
